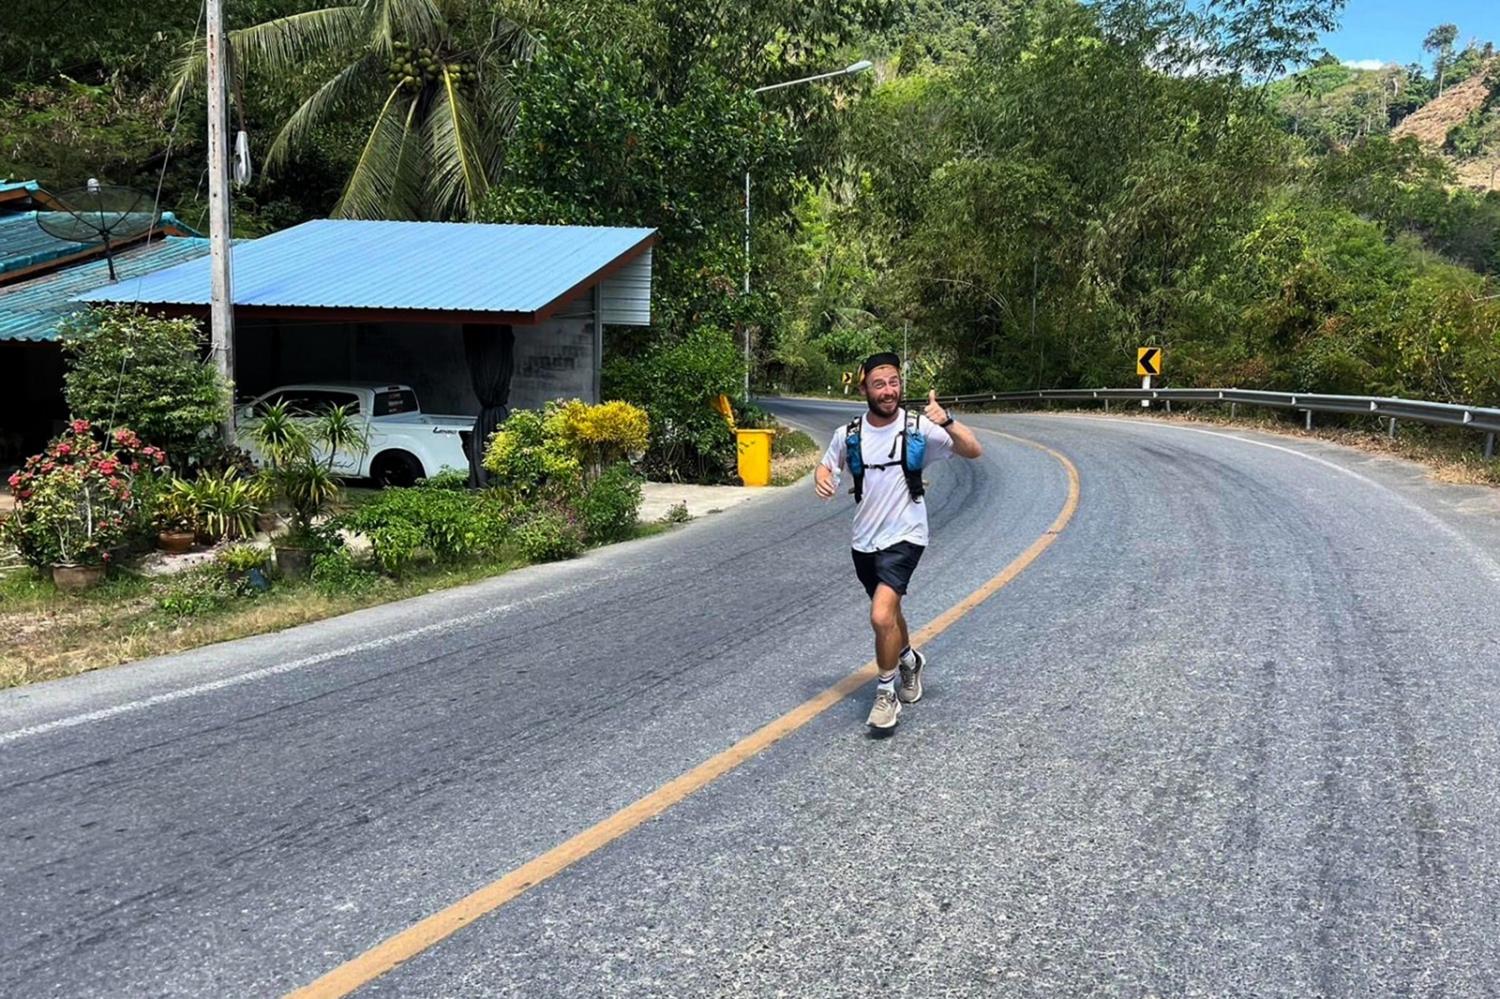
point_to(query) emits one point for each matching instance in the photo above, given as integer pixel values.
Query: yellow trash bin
(755, 456)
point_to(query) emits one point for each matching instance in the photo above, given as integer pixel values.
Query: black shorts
(892, 566)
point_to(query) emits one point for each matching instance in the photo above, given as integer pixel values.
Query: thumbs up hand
(934, 412)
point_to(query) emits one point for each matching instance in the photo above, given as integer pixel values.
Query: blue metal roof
(31, 309)
(23, 243)
(467, 267)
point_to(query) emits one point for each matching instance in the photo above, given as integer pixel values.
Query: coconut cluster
(412, 68)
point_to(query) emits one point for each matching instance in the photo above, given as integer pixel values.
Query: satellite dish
(100, 213)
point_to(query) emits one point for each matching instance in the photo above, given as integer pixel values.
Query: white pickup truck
(405, 444)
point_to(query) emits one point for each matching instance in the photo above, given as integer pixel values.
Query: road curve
(1231, 734)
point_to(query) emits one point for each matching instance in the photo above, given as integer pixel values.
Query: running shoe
(886, 712)
(910, 688)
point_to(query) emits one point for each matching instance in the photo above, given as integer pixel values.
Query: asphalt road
(1233, 733)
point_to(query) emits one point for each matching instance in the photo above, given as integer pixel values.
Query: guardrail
(1478, 418)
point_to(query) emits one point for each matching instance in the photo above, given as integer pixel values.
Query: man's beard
(875, 407)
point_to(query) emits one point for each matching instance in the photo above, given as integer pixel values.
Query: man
(890, 519)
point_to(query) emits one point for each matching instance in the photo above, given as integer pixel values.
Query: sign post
(1147, 364)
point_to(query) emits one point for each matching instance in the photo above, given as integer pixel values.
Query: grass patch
(47, 634)
(793, 455)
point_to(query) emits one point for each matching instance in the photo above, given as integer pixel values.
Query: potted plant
(244, 564)
(299, 452)
(77, 501)
(227, 503)
(176, 517)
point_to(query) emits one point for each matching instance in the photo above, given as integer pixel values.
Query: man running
(890, 519)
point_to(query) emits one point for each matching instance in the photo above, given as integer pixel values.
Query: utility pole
(221, 310)
(747, 285)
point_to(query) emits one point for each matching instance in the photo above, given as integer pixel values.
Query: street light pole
(850, 70)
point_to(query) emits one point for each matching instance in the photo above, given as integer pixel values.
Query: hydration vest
(913, 444)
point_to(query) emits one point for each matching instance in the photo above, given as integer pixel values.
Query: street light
(850, 70)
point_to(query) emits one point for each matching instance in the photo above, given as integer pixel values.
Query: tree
(129, 369)
(434, 74)
(1439, 42)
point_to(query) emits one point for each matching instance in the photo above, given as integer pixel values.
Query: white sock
(908, 656)
(885, 682)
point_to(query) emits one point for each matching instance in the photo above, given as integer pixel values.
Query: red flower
(104, 556)
(135, 466)
(64, 449)
(109, 466)
(15, 480)
(80, 426)
(49, 466)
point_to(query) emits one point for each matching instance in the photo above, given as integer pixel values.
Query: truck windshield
(389, 402)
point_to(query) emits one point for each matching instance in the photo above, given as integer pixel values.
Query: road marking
(395, 950)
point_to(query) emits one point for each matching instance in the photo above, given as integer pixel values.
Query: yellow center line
(403, 946)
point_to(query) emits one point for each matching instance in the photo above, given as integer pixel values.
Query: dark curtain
(491, 352)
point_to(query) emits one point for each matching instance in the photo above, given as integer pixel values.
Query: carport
(477, 318)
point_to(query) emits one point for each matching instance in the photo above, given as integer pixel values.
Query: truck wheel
(395, 468)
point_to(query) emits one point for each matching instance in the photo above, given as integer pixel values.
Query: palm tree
(438, 70)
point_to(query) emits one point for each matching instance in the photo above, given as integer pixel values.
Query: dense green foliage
(1022, 191)
(445, 524)
(127, 368)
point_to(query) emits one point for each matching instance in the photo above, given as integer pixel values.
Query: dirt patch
(1431, 123)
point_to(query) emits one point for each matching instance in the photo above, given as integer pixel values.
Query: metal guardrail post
(1309, 419)
(1489, 446)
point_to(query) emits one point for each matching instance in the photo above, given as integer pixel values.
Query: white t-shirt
(887, 515)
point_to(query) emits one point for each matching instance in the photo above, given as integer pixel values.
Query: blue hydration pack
(913, 444)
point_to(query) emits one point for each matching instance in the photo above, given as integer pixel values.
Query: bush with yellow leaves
(604, 434)
(565, 446)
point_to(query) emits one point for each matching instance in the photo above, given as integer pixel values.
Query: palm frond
(375, 184)
(414, 21)
(281, 45)
(302, 124)
(456, 180)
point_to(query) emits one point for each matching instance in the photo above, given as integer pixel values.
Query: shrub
(450, 524)
(676, 383)
(299, 454)
(605, 434)
(448, 478)
(127, 368)
(242, 558)
(548, 534)
(226, 504)
(532, 450)
(608, 507)
(79, 498)
(336, 573)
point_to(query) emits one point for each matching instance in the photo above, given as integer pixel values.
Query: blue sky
(1392, 30)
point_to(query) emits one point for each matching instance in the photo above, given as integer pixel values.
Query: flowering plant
(81, 496)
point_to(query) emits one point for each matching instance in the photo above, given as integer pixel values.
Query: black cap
(876, 360)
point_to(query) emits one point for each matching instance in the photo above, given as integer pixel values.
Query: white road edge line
(72, 721)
